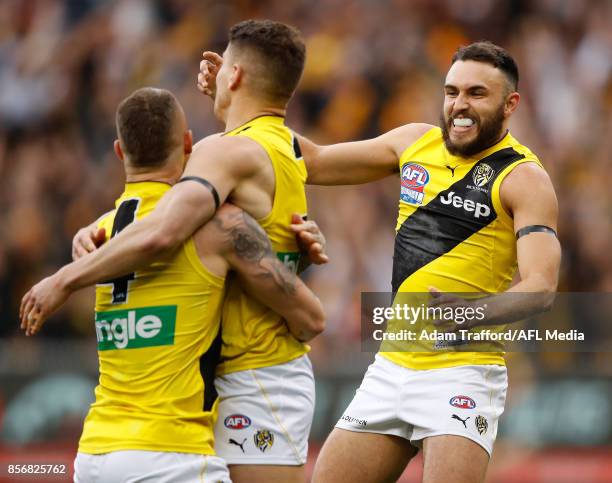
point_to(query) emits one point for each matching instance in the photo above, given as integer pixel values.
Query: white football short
(265, 414)
(464, 401)
(149, 467)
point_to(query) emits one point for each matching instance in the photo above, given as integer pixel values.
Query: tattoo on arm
(251, 244)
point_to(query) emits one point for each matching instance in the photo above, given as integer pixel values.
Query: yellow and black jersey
(452, 231)
(253, 335)
(156, 331)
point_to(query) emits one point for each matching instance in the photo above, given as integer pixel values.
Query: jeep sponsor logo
(136, 328)
(477, 209)
(237, 421)
(462, 402)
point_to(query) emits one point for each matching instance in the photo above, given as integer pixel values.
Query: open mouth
(463, 124)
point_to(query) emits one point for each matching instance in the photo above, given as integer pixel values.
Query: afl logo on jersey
(482, 175)
(414, 179)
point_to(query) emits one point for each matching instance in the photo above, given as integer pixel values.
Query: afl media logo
(414, 179)
(482, 175)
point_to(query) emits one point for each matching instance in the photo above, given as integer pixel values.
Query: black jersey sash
(449, 219)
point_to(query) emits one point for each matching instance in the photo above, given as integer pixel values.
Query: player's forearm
(528, 298)
(345, 163)
(138, 245)
(175, 218)
(306, 319)
(284, 293)
(341, 165)
(264, 277)
(324, 168)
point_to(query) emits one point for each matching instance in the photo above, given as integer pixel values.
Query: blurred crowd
(371, 66)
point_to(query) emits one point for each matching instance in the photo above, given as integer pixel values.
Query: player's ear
(188, 142)
(512, 101)
(235, 78)
(118, 150)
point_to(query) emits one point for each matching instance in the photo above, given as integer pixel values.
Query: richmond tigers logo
(481, 424)
(482, 175)
(264, 439)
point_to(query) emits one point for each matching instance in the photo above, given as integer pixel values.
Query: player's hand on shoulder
(87, 240)
(207, 77)
(310, 239)
(41, 301)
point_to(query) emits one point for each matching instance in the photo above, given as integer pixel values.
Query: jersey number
(124, 216)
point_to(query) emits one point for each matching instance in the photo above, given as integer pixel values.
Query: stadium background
(372, 65)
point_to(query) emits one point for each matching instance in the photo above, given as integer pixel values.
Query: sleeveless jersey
(156, 332)
(453, 234)
(253, 335)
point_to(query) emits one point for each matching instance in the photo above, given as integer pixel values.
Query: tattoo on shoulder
(251, 244)
(250, 240)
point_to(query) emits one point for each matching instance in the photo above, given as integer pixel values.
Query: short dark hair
(145, 122)
(280, 47)
(488, 52)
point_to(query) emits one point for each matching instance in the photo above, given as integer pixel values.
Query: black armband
(205, 183)
(535, 229)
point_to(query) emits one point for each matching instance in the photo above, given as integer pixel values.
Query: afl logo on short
(482, 175)
(462, 402)
(414, 179)
(237, 421)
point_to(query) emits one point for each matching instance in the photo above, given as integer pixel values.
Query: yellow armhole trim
(267, 148)
(194, 260)
(263, 222)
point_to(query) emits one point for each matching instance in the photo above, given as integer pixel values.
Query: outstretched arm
(338, 164)
(248, 252)
(359, 161)
(182, 210)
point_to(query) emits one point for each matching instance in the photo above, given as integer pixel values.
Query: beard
(489, 133)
